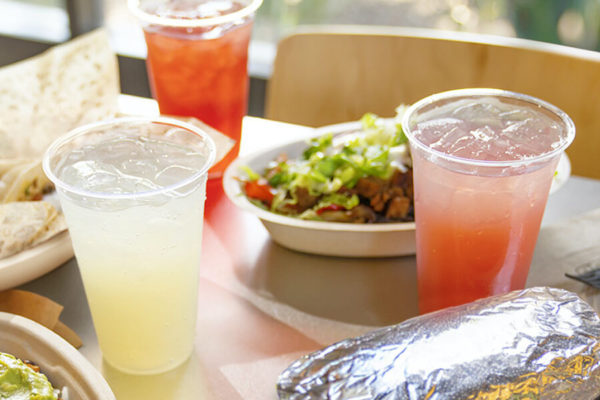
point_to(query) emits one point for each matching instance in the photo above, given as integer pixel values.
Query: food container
(64, 366)
(318, 237)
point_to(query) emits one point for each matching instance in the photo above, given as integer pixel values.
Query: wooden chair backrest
(332, 75)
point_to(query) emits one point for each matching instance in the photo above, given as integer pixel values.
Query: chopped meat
(398, 208)
(369, 186)
(403, 180)
(396, 191)
(305, 199)
(390, 199)
(378, 201)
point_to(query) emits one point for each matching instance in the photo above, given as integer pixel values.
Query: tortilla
(26, 223)
(57, 225)
(22, 180)
(30, 184)
(7, 164)
(42, 98)
(45, 96)
(9, 170)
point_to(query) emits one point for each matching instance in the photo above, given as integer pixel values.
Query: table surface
(261, 305)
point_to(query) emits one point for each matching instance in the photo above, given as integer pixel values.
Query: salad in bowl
(359, 176)
(345, 190)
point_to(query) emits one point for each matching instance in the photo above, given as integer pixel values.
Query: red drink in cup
(483, 162)
(197, 61)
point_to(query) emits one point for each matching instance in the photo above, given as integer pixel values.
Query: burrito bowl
(345, 239)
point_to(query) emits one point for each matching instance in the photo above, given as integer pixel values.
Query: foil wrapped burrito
(539, 343)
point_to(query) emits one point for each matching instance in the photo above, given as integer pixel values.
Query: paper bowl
(59, 361)
(319, 237)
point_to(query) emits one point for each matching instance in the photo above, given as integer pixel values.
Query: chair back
(329, 75)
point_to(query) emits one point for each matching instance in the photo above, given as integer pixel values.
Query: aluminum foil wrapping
(539, 343)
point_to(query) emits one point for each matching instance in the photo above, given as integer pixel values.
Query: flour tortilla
(30, 183)
(24, 224)
(7, 164)
(9, 171)
(22, 180)
(55, 226)
(43, 97)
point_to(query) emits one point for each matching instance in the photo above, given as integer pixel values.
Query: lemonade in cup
(483, 163)
(133, 191)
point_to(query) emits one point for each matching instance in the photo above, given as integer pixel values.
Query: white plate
(317, 237)
(36, 261)
(59, 361)
(331, 238)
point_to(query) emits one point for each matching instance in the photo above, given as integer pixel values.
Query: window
(41, 20)
(570, 22)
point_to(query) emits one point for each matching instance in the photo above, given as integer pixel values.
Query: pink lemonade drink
(483, 163)
(197, 61)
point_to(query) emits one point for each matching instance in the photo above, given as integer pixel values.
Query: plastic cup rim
(134, 7)
(83, 129)
(488, 92)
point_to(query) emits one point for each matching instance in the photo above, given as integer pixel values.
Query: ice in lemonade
(138, 255)
(202, 71)
(477, 225)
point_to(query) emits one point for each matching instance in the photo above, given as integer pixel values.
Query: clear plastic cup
(483, 163)
(133, 191)
(197, 60)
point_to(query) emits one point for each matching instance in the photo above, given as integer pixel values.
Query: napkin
(223, 143)
(136, 106)
(39, 309)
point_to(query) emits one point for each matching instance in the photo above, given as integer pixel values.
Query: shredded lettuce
(252, 176)
(330, 164)
(348, 202)
(318, 145)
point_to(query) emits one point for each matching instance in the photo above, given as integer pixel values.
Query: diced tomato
(259, 190)
(331, 207)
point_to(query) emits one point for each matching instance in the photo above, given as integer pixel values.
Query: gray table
(233, 330)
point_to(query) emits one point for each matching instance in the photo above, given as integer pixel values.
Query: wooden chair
(330, 75)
